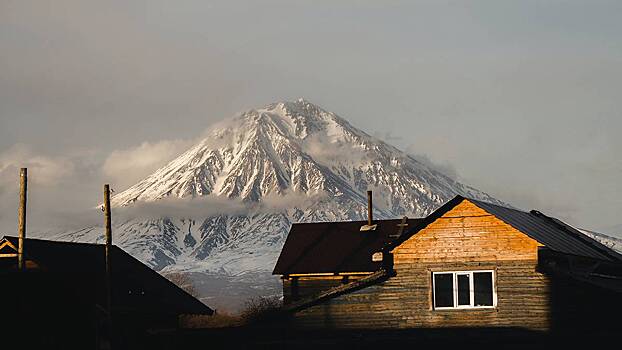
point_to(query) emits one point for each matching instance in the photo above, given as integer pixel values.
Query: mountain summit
(297, 147)
(285, 162)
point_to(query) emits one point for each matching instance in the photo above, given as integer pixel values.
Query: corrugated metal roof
(551, 232)
(330, 247)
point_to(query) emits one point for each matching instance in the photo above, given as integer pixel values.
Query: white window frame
(471, 290)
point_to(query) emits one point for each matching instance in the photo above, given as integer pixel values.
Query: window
(463, 290)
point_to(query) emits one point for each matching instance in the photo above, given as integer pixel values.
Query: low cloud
(274, 202)
(63, 189)
(128, 166)
(45, 170)
(445, 168)
(388, 137)
(60, 188)
(203, 207)
(326, 151)
(181, 208)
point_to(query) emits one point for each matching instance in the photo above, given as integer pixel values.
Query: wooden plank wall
(465, 238)
(312, 285)
(467, 233)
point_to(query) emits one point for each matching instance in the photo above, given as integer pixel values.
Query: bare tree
(183, 281)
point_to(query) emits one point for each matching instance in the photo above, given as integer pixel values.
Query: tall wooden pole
(23, 184)
(108, 250)
(370, 210)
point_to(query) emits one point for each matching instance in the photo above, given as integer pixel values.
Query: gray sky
(518, 98)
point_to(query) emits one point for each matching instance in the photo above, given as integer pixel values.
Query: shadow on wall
(585, 295)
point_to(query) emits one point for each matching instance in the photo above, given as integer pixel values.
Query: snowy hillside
(611, 242)
(225, 206)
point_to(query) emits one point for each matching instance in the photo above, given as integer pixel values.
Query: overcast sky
(521, 99)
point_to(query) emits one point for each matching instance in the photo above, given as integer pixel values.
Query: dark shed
(134, 284)
(61, 296)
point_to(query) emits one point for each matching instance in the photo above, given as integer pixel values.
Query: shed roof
(128, 275)
(335, 247)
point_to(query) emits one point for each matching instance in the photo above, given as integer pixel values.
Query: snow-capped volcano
(233, 196)
(296, 147)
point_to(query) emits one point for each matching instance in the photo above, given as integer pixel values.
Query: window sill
(476, 308)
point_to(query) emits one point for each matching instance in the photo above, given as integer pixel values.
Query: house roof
(551, 232)
(332, 247)
(134, 284)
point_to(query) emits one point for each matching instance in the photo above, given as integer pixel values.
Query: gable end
(463, 233)
(7, 249)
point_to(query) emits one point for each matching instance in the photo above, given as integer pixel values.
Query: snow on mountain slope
(295, 147)
(225, 205)
(611, 242)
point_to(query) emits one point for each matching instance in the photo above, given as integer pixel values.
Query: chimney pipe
(370, 211)
(23, 188)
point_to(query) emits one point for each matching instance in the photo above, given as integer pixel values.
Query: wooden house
(469, 264)
(61, 295)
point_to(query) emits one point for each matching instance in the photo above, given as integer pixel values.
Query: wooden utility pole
(108, 248)
(23, 184)
(370, 209)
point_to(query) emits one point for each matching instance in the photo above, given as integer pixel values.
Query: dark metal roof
(551, 232)
(331, 247)
(134, 284)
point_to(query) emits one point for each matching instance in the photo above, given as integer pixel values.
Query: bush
(217, 320)
(261, 310)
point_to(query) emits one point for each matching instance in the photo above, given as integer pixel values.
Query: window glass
(444, 290)
(482, 285)
(464, 290)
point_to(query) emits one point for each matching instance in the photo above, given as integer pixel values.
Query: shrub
(262, 309)
(217, 320)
